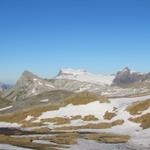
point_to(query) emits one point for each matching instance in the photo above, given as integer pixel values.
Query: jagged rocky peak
(126, 69)
(28, 74)
(126, 76)
(28, 85)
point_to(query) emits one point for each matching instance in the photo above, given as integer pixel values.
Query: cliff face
(126, 77)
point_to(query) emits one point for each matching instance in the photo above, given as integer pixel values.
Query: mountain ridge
(123, 83)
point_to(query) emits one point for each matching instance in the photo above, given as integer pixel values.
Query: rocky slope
(28, 85)
(77, 86)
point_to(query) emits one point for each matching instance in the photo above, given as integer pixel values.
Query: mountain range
(76, 105)
(4, 86)
(125, 82)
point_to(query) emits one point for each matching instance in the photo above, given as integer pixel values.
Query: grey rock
(28, 85)
(126, 77)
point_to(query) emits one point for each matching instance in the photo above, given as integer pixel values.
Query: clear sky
(101, 36)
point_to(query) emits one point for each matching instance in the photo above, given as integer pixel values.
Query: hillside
(85, 112)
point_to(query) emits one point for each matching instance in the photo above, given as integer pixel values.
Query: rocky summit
(127, 77)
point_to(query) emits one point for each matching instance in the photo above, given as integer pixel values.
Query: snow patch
(11, 147)
(49, 85)
(5, 108)
(94, 108)
(9, 125)
(40, 83)
(28, 118)
(44, 100)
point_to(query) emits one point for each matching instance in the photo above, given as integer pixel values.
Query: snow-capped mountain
(30, 84)
(84, 76)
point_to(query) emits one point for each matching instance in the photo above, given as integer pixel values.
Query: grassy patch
(90, 118)
(35, 112)
(144, 120)
(76, 99)
(41, 129)
(138, 107)
(103, 125)
(61, 139)
(29, 124)
(107, 137)
(109, 115)
(76, 117)
(117, 122)
(27, 142)
(57, 120)
(85, 98)
(67, 138)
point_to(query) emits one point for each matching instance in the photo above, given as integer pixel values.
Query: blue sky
(101, 36)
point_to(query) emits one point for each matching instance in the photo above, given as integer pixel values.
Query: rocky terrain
(75, 109)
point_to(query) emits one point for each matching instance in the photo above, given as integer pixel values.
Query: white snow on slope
(140, 140)
(5, 108)
(94, 108)
(83, 144)
(9, 125)
(84, 76)
(44, 100)
(139, 137)
(11, 147)
(28, 118)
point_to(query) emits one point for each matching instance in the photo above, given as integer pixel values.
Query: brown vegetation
(85, 98)
(103, 125)
(144, 120)
(90, 118)
(107, 137)
(57, 120)
(76, 99)
(76, 117)
(109, 115)
(138, 107)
